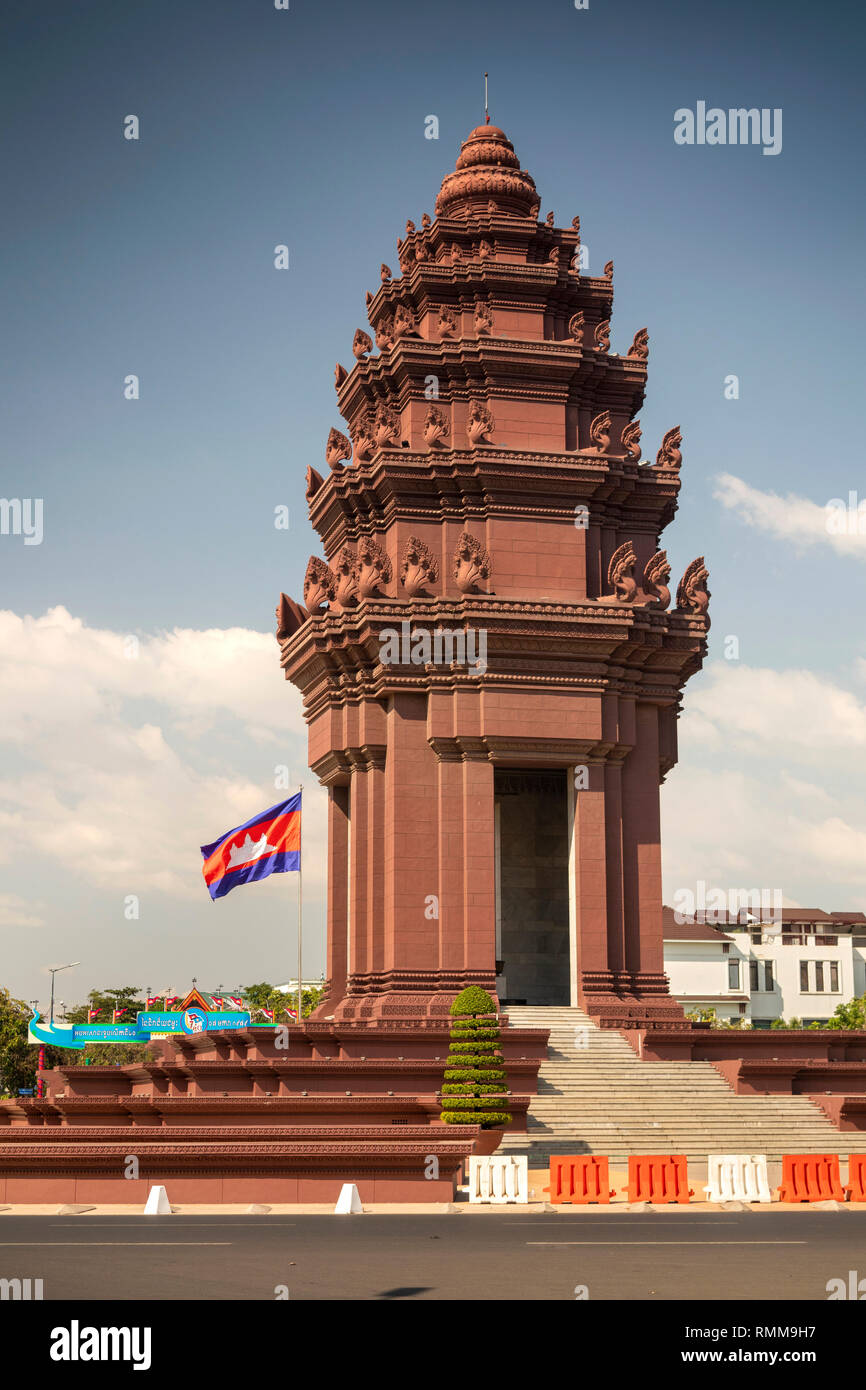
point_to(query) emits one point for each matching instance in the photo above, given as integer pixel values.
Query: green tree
(851, 1015)
(475, 1079)
(18, 1057)
(267, 996)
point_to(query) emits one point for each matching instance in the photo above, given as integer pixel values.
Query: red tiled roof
(672, 930)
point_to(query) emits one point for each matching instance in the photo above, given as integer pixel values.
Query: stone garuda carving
(345, 568)
(656, 574)
(608, 270)
(640, 345)
(436, 427)
(338, 447)
(575, 326)
(385, 332)
(620, 573)
(387, 428)
(602, 335)
(669, 455)
(448, 321)
(290, 616)
(404, 322)
(419, 569)
(479, 422)
(471, 563)
(364, 435)
(599, 432)
(314, 482)
(362, 343)
(693, 594)
(373, 568)
(320, 585)
(483, 319)
(631, 440)
(384, 273)
(340, 375)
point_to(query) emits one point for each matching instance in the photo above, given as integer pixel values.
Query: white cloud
(19, 912)
(119, 768)
(792, 713)
(797, 519)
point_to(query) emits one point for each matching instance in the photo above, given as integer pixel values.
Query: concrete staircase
(595, 1095)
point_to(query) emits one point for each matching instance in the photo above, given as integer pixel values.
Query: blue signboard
(189, 1021)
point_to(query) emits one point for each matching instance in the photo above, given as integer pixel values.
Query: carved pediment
(419, 569)
(320, 585)
(471, 563)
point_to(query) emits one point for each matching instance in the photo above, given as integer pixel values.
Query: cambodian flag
(270, 843)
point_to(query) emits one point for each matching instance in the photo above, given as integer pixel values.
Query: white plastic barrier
(157, 1203)
(349, 1201)
(499, 1178)
(737, 1178)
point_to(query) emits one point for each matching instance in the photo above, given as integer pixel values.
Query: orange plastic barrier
(579, 1178)
(658, 1178)
(810, 1178)
(857, 1177)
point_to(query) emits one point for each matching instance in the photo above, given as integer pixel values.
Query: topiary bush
(474, 1080)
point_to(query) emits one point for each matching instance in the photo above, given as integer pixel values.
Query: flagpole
(300, 912)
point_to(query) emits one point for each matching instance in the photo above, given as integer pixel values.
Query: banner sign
(146, 1026)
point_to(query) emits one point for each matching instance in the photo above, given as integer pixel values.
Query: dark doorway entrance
(532, 886)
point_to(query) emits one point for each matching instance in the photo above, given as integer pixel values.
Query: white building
(799, 967)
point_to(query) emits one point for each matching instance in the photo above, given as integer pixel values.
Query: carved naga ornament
(575, 326)
(483, 319)
(631, 441)
(599, 433)
(640, 345)
(602, 335)
(447, 322)
(387, 428)
(693, 594)
(345, 568)
(436, 428)
(314, 482)
(364, 436)
(374, 568)
(620, 573)
(419, 569)
(290, 616)
(338, 447)
(479, 422)
(320, 585)
(669, 455)
(362, 343)
(655, 580)
(471, 564)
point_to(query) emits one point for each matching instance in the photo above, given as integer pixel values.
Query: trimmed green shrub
(474, 1075)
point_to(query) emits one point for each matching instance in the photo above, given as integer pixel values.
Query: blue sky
(155, 257)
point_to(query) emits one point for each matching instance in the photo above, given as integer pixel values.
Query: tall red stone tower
(493, 821)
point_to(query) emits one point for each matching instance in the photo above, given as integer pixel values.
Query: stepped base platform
(256, 1115)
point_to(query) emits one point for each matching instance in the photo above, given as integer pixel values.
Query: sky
(142, 707)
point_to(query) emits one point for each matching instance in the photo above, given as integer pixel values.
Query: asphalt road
(656, 1255)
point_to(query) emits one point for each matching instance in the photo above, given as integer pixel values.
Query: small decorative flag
(268, 1013)
(171, 999)
(270, 843)
(118, 1013)
(217, 1000)
(235, 1001)
(293, 1013)
(91, 1014)
(153, 999)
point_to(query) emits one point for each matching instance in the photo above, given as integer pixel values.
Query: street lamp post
(53, 970)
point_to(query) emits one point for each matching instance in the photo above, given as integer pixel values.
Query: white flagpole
(300, 910)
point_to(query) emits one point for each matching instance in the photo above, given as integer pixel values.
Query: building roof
(690, 930)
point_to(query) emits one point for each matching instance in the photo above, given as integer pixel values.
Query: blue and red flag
(270, 843)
